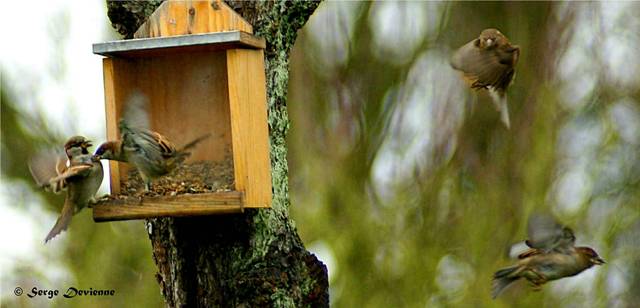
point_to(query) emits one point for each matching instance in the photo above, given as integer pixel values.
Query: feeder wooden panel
(198, 80)
(189, 17)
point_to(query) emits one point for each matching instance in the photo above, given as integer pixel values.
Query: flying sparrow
(552, 256)
(81, 178)
(488, 62)
(150, 152)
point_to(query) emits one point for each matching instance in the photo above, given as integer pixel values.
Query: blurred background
(403, 181)
(410, 188)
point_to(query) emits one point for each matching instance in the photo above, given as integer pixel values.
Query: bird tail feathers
(63, 221)
(184, 154)
(195, 142)
(500, 102)
(502, 279)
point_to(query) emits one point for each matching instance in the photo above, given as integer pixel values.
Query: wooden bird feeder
(202, 70)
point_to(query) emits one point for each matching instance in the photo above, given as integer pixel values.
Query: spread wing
(529, 253)
(136, 133)
(46, 166)
(484, 68)
(546, 234)
(135, 111)
(73, 172)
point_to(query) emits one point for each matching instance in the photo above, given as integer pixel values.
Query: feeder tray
(202, 70)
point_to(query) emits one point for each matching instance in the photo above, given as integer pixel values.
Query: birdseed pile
(190, 178)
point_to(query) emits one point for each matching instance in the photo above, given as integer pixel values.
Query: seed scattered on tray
(190, 178)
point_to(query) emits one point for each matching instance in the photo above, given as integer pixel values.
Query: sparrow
(79, 175)
(488, 62)
(149, 151)
(551, 256)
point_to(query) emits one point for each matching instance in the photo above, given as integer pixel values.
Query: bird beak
(598, 261)
(489, 42)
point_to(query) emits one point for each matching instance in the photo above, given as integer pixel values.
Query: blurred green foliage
(409, 186)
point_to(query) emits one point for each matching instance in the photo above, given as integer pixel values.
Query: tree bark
(255, 259)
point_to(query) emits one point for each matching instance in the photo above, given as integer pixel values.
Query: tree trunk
(255, 259)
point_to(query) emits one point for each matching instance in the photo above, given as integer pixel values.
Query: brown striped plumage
(80, 179)
(150, 152)
(488, 62)
(552, 255)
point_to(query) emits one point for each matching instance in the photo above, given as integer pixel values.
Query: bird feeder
(202, 70)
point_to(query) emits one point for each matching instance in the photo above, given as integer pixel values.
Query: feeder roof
(182, 43)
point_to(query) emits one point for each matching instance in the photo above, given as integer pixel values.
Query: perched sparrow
(552, 256)
(80, 179)
(150, 152)
(488, 62)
